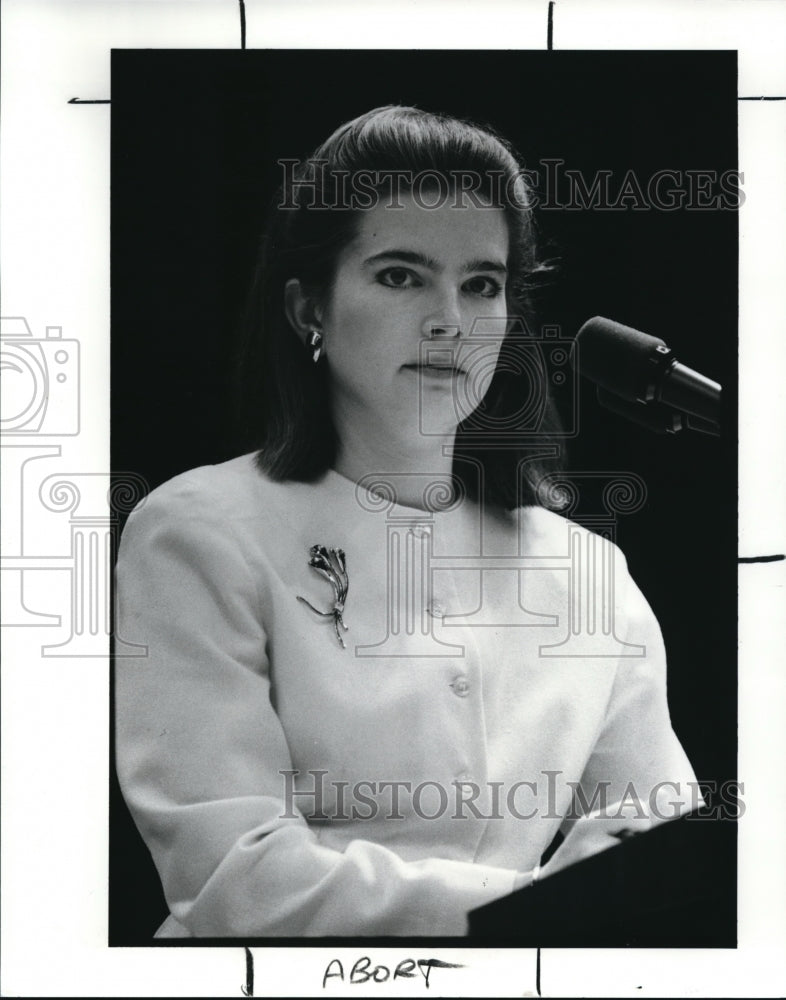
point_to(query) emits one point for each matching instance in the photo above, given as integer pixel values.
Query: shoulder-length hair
(284, 396)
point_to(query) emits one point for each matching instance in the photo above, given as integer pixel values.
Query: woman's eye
(397, 277)
(489, 288)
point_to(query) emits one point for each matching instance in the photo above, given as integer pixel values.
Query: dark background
(195, 139)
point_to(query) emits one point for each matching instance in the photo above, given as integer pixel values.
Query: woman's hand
(597, 832)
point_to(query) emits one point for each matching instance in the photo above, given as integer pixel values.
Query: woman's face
(416, 316)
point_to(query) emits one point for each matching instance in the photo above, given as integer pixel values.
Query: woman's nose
(444, 320)
(444, 330)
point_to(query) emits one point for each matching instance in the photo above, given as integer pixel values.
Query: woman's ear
(303, 313)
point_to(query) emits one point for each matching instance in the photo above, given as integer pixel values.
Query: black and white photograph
(432, 600)
(392, 561)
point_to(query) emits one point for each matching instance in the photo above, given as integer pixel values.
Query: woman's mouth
(437, 371)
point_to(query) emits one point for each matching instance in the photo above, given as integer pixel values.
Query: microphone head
(620, 359)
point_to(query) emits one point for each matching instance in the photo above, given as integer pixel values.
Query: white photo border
(55, 266)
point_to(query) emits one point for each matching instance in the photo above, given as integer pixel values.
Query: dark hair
(284, 396)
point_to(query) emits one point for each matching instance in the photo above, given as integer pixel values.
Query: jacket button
(420, 530)
(436, 609)
(460, 686)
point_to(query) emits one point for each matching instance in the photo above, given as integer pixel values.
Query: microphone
(641, 370)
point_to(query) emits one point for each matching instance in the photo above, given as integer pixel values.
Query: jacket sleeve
(638, 774)
(199, 748)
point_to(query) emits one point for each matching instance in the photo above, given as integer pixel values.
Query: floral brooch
(332, 564)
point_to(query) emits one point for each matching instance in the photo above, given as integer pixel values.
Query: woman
(365, 708)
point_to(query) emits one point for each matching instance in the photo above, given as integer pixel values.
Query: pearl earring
(314, 343)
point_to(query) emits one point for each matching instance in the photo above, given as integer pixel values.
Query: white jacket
(487, 695)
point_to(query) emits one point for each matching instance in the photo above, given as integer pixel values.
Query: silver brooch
(332, 564)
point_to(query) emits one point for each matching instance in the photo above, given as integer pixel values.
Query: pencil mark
(761, 98)
(537, 974)
(757, 559)
(78, 100)
(435, 963)
(550, 28)
(248, 989)
(242, 24)
(364, 972)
